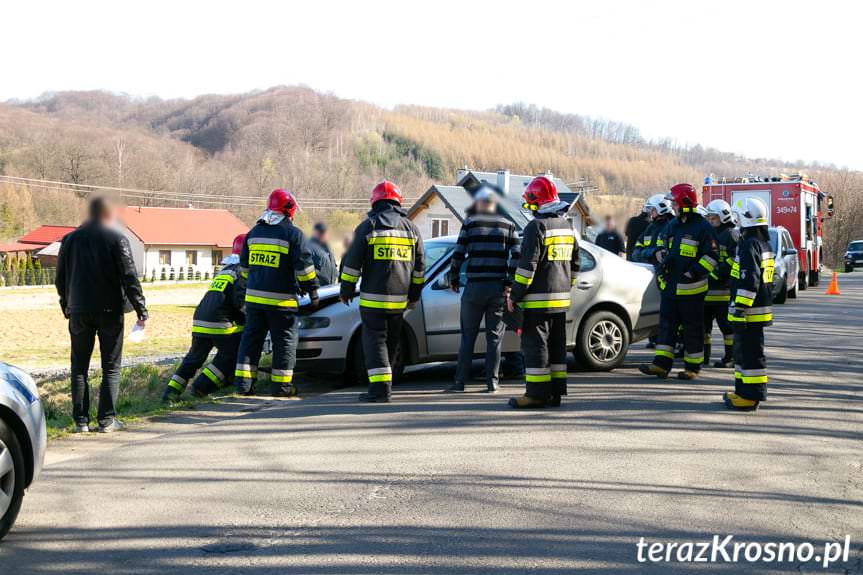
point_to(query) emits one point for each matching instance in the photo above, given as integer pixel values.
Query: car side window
(788, 243)
(586, 261)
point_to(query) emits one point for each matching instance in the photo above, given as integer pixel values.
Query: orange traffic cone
(833, 288)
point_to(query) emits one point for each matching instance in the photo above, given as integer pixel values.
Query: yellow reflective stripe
(217, 330)
(732, 317)
(271, 301)
(176, 385)
(717, 298)
(755, 379)
(759, 318)
(544, 304)
(307, 277)
(346, 277)
(269, 248)
(392, 241)
(383, 304)
(660, 242)
(744, 300)
(558, 374)
(663, 353)
(559, 240)
(418, 280)
(380, 377)
(706, 265)
(695, 360)
(212, 376)
(692, 291)
(537, 378)
(243, 373)
(225, 277)
(524, 280)
(281, 378)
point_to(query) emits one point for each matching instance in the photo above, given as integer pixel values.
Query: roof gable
(183, 226)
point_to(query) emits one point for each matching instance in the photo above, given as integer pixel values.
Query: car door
(441, 312)
(587, 282)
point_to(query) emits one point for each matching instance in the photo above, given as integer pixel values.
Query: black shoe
(492, 388)
(553, 401)
(290, 392)
(650, 345)
(170, 396)
(526, 402)
(365, 397)
(247, 393)
(724, 362)
(687, 375)
(455, 388)
(81, 428)
(115, 425)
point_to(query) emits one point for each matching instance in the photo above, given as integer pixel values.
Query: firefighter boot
(526, 402)
(687, 374)
(726, 361)
(368, 398)
(734, 401)
(175, 388)
(653, 369)
(280, 391)
(553, 401)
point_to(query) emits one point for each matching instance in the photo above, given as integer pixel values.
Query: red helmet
(283, 202)
(685, 196)
(386, 190)
(539, 191)
(238, 244)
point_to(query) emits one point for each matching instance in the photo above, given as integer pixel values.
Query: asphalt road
(435, 483)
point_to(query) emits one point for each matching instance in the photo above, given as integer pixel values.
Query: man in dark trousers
(610, 239)
(322, 255)
(387, 252)
(217, 323)
(719, 285)
(279, 269)
(635, 227)
(489, 242)
(97, 283)
(542, 284)
(687, 258)
(749, 310)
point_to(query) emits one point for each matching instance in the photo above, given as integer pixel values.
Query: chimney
(503, 181)
(191, 207)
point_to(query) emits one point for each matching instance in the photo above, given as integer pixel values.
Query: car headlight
(314, 322)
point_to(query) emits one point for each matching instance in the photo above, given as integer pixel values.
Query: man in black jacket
(325, 263)
(610, 239)
(97, 283)
(635, 227)
(387, 252)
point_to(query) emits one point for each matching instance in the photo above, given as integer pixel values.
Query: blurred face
(714, 220)
(609, 224)
(486, 207)
(323, 237)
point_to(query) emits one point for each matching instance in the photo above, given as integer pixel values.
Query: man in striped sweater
(489, 243)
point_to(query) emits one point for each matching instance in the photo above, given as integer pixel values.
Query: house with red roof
(179, 238)
(45, 236)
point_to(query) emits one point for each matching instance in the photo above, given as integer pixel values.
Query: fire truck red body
(795, 203)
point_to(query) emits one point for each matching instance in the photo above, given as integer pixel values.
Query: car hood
(327, 295)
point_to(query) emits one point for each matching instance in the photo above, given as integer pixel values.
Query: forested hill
(317, 145)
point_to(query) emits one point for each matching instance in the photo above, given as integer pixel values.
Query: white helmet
(721, 209)
(660, 203)
(701, 211)
(752, 212)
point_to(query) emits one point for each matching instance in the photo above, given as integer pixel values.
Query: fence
(32, 277)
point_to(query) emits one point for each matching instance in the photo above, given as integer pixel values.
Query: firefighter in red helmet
(387, 252)
(688, 258)
(541, 288)
(280, 269)
(217, 323)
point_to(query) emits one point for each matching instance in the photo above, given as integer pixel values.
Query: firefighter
(387, 252)
(688, 256)
(279, 265)
(718, 284)
(652, 239)
(749, 310)
(217, 323)
(541, 287)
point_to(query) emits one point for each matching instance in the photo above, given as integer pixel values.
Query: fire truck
(793, 201)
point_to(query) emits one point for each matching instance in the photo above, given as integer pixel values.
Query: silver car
(22, 441)
(615, 302)
(786, 264)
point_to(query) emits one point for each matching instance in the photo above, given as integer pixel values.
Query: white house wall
(436, 210)
(178, 259)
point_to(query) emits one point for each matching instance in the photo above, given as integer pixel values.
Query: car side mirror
(442, 282)
(789, 252)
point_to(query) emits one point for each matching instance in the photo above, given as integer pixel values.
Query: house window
(216, 257)
(164, 257)
(440, 227)
(191, 257)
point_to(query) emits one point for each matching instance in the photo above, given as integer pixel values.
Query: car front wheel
(11, 478)
(602, 342)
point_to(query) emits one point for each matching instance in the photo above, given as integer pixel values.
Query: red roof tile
(183, 226)
(17, 247)
(44, 235)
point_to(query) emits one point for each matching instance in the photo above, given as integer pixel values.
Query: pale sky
(758, 77)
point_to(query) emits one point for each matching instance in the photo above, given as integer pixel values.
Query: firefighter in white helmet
(719, 283)
(749, 310)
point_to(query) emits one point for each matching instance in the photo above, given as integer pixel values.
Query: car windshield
(435, 250)
(774, 240)
(855, 247)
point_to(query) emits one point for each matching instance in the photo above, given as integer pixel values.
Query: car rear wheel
(603, 341)
(356, 374)
(792, 293)
(11, 478)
